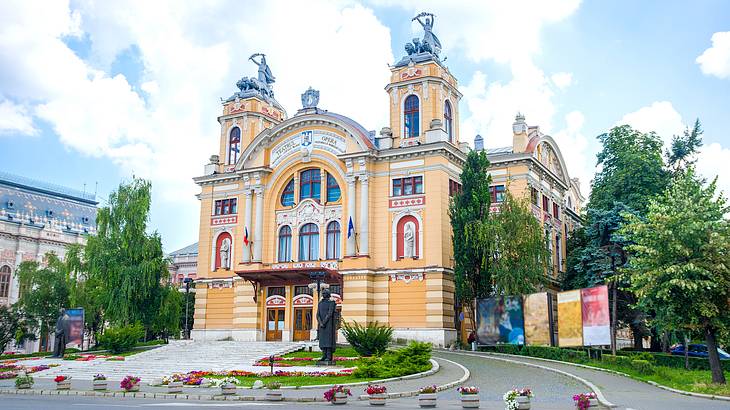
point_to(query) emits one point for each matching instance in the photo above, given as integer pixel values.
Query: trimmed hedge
(669, 360)
(544, 352)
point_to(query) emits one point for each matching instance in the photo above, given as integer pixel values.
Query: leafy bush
(642, 366)
(411, 359)
(622, 361)
(643, 356)
(369, 340)
(122, 338)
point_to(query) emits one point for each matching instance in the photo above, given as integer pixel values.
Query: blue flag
(350, 228)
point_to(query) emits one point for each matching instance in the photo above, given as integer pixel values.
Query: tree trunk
(636, 333)
(715, 366)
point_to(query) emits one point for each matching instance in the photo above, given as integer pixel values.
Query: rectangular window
(545, 203)
(303, 290)
(277, 290)
(454, 187)
(556, 211)
(534, 196)
(336, 289)
(225, 206)
(408, 186)
(497, 192)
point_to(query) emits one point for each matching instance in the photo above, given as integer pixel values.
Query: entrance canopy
(290, 276)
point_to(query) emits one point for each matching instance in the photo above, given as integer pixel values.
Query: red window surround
(400, 229)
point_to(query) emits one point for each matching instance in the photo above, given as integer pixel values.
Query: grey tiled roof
(188, 250)
(46, 188)
(498, 151)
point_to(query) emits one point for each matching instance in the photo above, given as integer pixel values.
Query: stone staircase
(179, 356)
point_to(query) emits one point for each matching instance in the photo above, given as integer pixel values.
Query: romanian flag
(245, 236)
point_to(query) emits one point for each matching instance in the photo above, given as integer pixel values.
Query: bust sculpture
(326, 327)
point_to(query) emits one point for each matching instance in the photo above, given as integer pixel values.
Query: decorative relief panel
(275, 300)
(404, 202)
(220, 284)
(309, 211)
(406, 277)
(224, 220)
(303, 300)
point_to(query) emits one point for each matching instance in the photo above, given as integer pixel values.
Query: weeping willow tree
(126, 259)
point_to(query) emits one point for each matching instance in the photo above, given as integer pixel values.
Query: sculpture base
(326, 363)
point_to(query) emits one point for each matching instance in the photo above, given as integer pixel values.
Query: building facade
(183, 264)
(37, 218)
(287, 201)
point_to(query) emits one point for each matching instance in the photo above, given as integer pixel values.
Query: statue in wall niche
(409, 240)
(225, 252)
(326, 327)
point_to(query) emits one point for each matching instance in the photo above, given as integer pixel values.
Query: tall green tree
(13, 326)
(681, 260)
(521, 259)
(682, 153)
(474, 235)
(126, 259)
(44, 291)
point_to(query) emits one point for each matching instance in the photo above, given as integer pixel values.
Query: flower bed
(8, 375)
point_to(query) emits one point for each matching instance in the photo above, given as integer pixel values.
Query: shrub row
(411, 359)
(544, 352)
(669, 360)
(121, 339)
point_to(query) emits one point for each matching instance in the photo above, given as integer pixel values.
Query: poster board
(538, 327)
(75, 326)
(570, 318)
(596, 322)
(500, 320)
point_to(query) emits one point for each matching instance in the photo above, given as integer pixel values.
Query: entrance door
(302, 323)
(274, 323)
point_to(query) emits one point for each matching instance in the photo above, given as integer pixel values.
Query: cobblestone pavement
(622, 391)
(179, 356)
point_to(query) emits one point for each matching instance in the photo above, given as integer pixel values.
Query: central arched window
(449, 121)
(309, 184)
(333, 189)
(411, 119)
(5, 281)
(309, 242)
(285, 244)
(234, 144)
(333, 240)
(287, 197)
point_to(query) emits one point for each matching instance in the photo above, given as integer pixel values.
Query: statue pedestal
(326, 363)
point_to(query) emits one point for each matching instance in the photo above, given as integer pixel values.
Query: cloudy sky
(92, 93)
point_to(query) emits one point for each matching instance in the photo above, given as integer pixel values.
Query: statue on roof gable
(422, 49)
(260, 85)
(265, 75)
(429, 39)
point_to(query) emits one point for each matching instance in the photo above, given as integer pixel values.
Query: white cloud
(192, 54)
(574, 147)
(716, 59)
(15, 119)
(562, 80)
(660, 117)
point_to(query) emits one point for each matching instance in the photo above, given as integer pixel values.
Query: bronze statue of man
(59, 347)
(326, 328)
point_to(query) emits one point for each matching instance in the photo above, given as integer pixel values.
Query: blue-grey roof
(498, 151)
(46, 188)
(188, 250)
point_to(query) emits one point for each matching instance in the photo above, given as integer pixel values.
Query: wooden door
(274, 323)
(302, 323)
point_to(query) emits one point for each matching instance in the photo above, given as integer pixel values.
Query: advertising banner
(75, 326)
(499, 321)
(537, 319)
(570, 319)
(596, 322)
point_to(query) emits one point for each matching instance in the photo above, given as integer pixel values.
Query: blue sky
(93, 93)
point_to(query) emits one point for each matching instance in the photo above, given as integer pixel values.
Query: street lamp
(317, 276)
(187, 282)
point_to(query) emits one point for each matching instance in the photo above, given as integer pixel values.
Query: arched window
(309, 243)
(333, 240)
(333, 189)
(407, 237)
(411, 119)
(285, 244)
(5, 281)
(449, 121)
(223, 251)
(234, 145)
(309, 184)
(287, 197)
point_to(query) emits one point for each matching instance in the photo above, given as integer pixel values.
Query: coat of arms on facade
(305, 146)
(310, 98)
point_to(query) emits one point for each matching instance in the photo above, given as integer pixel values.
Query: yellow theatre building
(288, 199)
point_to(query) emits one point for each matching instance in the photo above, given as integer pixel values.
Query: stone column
(351, 197)
(364, 211)
(259, 234)
(247, 224)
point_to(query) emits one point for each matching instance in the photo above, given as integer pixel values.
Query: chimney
(478, 143)
(519, 137)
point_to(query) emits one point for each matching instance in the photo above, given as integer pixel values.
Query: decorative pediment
(308, 211)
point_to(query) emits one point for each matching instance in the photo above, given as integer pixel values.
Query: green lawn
(697, 381)
(340, 352)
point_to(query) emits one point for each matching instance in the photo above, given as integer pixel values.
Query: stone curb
(655, 384)
(593, 387)
(149, 395)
